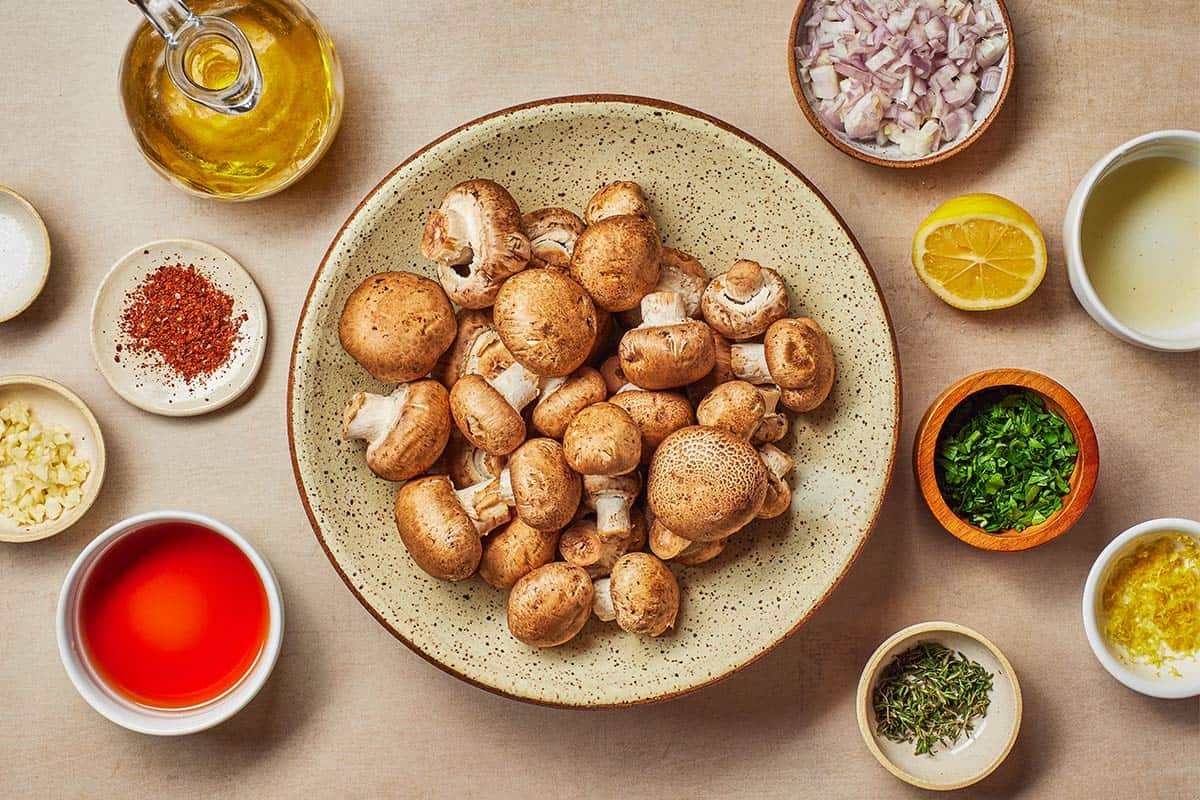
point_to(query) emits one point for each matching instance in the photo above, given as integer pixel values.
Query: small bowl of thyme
(939, 706)
(1006, 459)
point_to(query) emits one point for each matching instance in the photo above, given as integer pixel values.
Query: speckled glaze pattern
(717, 194)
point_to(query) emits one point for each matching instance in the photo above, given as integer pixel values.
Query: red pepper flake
(178, 318)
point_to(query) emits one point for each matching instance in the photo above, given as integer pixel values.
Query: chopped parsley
(1005, 464)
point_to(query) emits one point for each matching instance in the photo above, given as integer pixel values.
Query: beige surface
(350, 711)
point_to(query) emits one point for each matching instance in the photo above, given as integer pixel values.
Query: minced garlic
(40, 474)
(1152, 602)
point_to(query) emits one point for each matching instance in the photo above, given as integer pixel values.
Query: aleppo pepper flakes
(181, 322)
(1009, 465)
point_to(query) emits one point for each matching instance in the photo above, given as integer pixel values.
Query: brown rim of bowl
(1083, 479)
(594, 99)
(932, 158)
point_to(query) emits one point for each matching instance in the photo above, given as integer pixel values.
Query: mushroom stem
(484, 504)
(778, 462)
(774, 425)
(548, 386)
(662, 308)
(612, 515)
(456, 244)
(749, 363)
(743, 281)
(372, 416)
(517, 385)
(602, 602)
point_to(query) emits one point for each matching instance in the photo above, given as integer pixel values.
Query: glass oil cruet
(231, 99)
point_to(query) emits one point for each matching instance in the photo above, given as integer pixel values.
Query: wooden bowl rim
(1083, 479)
(932, 158)
(862, 702)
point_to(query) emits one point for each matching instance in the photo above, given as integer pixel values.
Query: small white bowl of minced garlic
(51, 458)
(1141, 608)
(1132, 241)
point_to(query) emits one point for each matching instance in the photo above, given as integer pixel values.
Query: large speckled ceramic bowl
(717, 194)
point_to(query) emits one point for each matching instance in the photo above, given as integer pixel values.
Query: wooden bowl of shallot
(906, 90)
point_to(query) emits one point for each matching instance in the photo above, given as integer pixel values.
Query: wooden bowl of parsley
(1006, 459)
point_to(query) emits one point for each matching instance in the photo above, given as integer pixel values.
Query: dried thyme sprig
(930, 695)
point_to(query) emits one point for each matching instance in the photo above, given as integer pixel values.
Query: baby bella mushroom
(617, 261)
(795, 355)
(645, 594)
(680, 273)
(563, 398)
(616, 199)
(488, 412)
(668, 349)
(602, 439)
(405, 431)
(546, 320)
(706, 483)
(745, 409)
(543, 488)
(582, 545)
(614, 376)
(550, 605)
(442, 527)
(513, 552)
(779, 494)
(552, 234)
(477, 349)
(743, 302)
(612, 497)
(467, 464)
(477, 238)
(397, 325)
(656, 414)
(669, 546)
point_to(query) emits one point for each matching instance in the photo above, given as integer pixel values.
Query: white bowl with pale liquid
(1132, 241)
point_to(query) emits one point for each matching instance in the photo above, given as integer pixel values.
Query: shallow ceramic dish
(1139, 677)
(115, 706)
(889, 155)
(1059, 400)
(152, 389)
(1181, 144)
(55, 405)
(716, 193)
(973, 757)
(35, 249)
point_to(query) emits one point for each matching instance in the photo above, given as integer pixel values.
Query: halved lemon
(980, 252)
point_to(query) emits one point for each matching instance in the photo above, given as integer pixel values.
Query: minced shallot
(908, 72)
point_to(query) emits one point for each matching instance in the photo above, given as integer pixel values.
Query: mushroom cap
(799, 357)
(552, 234)
(744, 301)
(602, 439)
(667, 356)
(722, 371)
(604, 330)
(550, 605)
(583, 546)
(406, 431)
(514, 551)
(736, 406)
(645, 594)
(616, 260)
(680, 273)
(616, 199)
(656, 414)
(477, 349)
(614, 376)
(545, 488)
(467, 464)
(706, 483)
(554, 410)
(546, 320)
(484, 417)
(397, 325)
(439, 535)
(477, 238)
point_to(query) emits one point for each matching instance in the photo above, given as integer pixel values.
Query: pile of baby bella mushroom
(543, 297)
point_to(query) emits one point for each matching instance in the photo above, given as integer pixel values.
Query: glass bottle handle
(180, 29)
